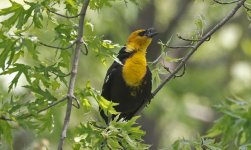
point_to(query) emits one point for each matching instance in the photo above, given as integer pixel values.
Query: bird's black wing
(106, 93)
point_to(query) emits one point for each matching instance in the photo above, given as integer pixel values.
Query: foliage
(43, 78)
(118, 135)
(230, 131)
(39, 77)
(237, 113)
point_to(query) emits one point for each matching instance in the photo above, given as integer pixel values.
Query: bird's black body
(116, 90)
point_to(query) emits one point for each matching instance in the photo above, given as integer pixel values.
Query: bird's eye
(142, 33)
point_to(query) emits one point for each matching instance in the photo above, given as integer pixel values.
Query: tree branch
(56, 47)
(191, 40)
(71, 96)
(69, 17)
(189, 54)
(178, 47)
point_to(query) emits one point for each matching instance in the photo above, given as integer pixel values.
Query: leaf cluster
(231, 131)
(118, 135)
(233, 128)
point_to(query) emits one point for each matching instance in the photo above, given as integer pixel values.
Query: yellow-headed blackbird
(129, 83)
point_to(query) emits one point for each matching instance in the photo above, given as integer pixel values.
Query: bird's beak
(151, 32)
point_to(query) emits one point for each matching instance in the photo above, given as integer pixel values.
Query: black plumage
(115, 89)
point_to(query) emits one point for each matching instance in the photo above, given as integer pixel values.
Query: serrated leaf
(8, 47)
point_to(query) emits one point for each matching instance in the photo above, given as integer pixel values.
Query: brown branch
(74, 70)
(231, 2)
(56, 47)
(189, 54)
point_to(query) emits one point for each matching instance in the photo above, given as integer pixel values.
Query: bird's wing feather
(108, 80)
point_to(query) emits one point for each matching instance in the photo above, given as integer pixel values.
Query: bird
(128, 80)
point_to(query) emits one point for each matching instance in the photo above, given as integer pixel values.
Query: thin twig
(78, 103)
(183, 72)
(174, 47)
(189, 54)
(56, 47)
(61, 75)
(156, 60)
(191, 40)
(62, 15)
(176, 76)
(74, 70)
(86, 49)
(231, 2)
(39, 111)
(178, 47)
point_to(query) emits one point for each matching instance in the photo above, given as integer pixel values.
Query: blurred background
(184, 108)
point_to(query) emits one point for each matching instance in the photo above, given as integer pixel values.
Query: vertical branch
(74, 70)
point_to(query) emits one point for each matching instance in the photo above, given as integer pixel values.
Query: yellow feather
(134, 69)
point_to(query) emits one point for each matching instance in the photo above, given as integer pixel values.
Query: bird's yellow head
(139, 40)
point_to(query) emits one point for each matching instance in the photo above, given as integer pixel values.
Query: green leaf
(107, 106)
(20, 69)
(15, 6)
(114, 143)
(8, 49)
(86, 104)
(30, 44)
(98, 4)
(5, 131)
(44, 93)
(71, 6)
(109, 44)
(18, 15)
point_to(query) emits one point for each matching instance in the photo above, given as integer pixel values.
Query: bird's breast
(134, 69)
